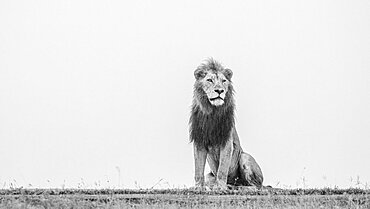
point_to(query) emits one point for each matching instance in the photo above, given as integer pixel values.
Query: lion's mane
(210, 126)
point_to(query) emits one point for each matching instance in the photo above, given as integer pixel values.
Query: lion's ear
(199, 73)
(228, 74)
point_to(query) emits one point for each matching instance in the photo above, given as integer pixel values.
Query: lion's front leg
(224, 165)
(200, 156)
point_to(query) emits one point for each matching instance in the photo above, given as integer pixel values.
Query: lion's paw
(200, 188)
(219, 186)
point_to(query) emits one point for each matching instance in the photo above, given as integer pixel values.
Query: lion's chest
(211, 130)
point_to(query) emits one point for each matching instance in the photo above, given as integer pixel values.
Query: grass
(185, 198)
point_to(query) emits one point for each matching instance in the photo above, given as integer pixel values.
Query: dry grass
(185, 198)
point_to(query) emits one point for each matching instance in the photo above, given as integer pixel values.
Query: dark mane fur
(210, 126)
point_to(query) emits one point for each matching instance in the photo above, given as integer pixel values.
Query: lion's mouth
(213, 99)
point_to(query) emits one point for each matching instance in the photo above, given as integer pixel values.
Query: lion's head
(212, 114)
(213, 85)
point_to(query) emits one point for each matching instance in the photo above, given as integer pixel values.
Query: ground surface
(185, 198)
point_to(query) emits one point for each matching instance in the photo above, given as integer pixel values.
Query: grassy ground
(185, 198)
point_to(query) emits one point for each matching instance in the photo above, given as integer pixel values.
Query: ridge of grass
(184, 198)
(236, 191)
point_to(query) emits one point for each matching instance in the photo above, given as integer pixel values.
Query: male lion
(213, 132)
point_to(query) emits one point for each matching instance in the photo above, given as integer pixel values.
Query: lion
(213, 133)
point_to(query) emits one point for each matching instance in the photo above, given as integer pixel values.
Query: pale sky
(97, 94)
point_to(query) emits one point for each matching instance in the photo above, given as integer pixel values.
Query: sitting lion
(213, 133)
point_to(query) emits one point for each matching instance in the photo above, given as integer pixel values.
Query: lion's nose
(219, 91)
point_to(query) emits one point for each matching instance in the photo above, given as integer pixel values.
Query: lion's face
(215, 85)
(213, 82)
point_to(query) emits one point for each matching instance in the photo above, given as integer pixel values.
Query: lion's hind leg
(210, 179)
(250, 172)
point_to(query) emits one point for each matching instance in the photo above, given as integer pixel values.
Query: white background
(97, 94)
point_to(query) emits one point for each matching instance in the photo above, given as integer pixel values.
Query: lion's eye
(223, 81)
(209, 80)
